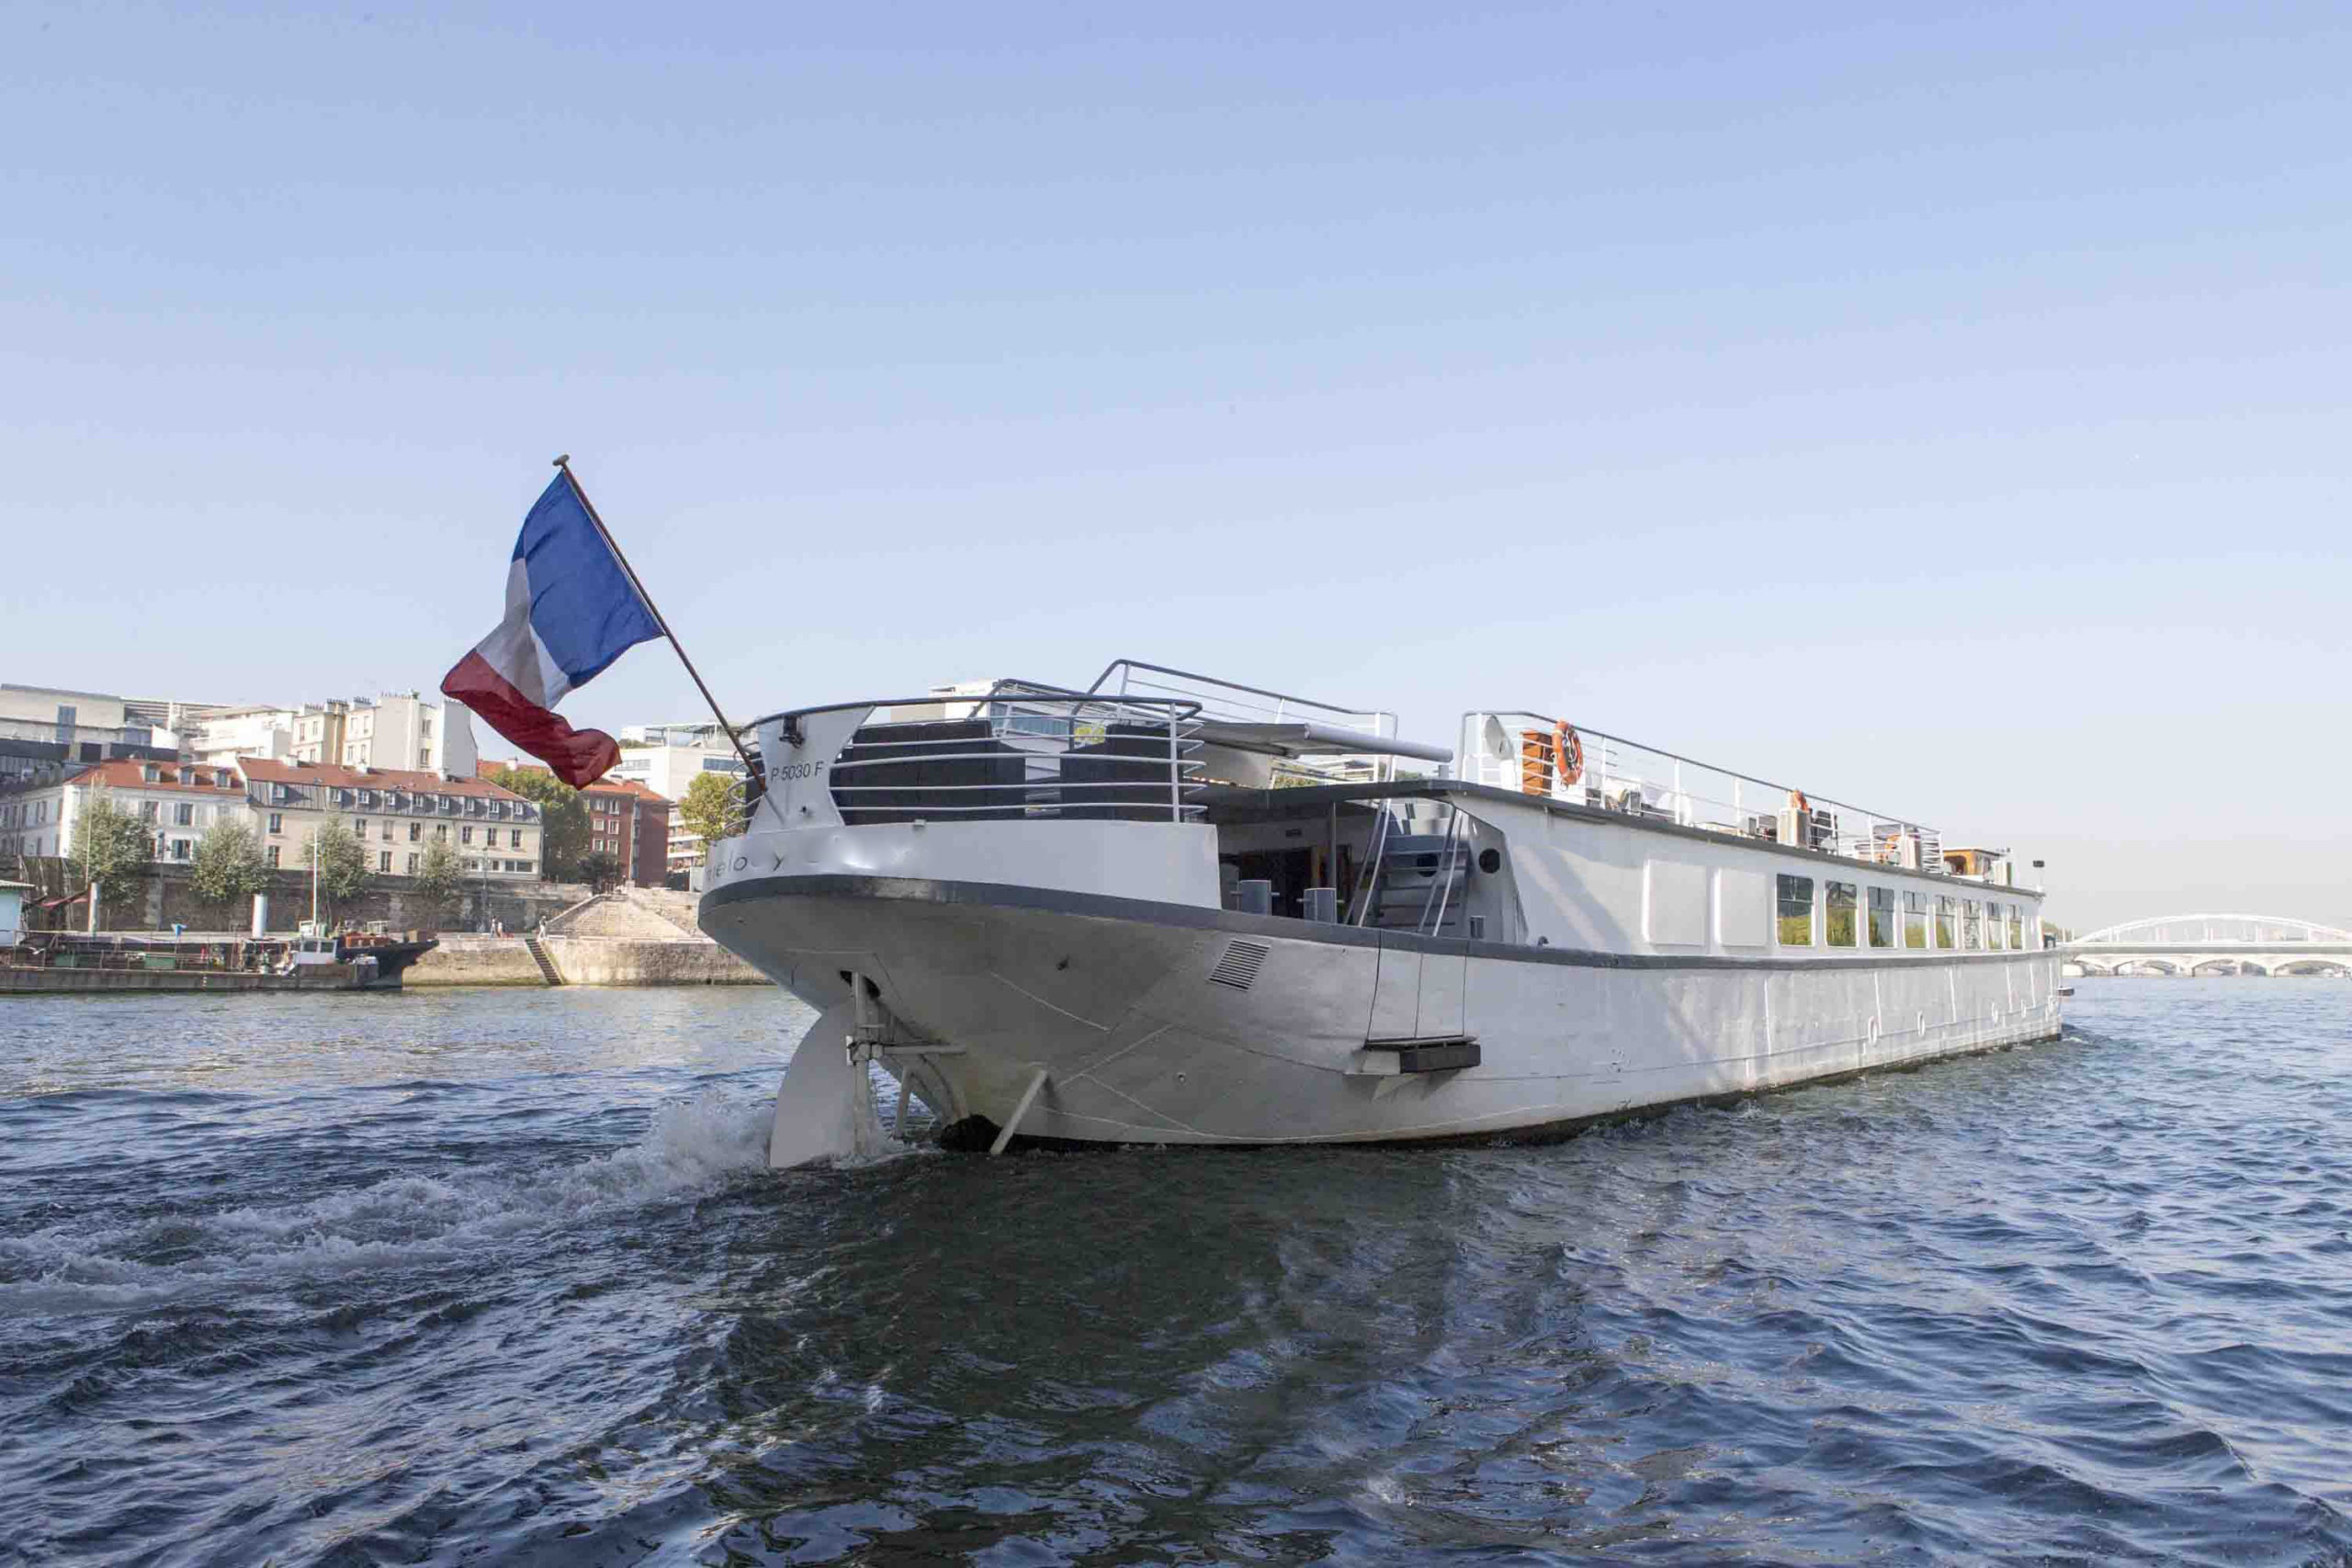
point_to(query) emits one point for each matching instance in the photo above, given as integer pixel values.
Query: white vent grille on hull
(1239, 967)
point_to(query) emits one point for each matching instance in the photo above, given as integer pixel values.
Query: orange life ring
(1568, 754)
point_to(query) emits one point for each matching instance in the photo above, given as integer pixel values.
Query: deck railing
(1019, 752)
(1229, 701)
(1516, 750)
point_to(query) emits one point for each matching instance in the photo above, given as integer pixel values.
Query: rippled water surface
(496, 1277)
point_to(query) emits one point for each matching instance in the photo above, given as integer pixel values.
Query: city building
(405, 730)
(625, 821)
(396, 812)
(92, 725)
(665, 759)
(177, 801)
(257, 731)
(318, 731)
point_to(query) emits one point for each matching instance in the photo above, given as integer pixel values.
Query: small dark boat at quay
(314, 959)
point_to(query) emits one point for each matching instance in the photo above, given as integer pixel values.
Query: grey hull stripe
(1102, 905)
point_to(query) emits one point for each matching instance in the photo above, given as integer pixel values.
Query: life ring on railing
(1568, 753)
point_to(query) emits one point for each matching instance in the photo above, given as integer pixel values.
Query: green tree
(600, 869)
(228, 864)
(563, 818)
(342, 860)
(111, 848)
(712, 808)
(440, 875)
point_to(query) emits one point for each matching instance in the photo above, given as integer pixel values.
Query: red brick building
(625, 821)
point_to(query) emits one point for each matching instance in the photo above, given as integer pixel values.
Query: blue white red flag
(570, 611)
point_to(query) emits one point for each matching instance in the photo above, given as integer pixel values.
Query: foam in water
(403, 1220)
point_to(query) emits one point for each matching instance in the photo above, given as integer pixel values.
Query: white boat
(1168, 909)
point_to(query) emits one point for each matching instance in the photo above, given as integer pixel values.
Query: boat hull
(1160, 1023)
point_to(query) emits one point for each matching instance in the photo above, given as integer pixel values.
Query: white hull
(980, 986)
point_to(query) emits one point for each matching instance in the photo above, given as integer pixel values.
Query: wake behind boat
(1171, 909)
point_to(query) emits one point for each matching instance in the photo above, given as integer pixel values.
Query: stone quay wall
(582, 961)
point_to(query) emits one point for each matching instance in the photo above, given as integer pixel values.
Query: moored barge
(315, 959)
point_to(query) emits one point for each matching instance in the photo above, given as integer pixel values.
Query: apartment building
(220, 738)
(396, 812)
(177, 801)
(665, 758)
(625, 821)
(91, 726)
(404, 731)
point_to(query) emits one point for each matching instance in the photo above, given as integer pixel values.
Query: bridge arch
(2162, 931)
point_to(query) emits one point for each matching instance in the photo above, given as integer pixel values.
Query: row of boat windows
(1852, 916)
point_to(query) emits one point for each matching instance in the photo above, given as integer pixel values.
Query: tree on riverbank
(111, 848)
(440, 877)
(711, 808)
(342, 862)
(228, 864)
(563, 818)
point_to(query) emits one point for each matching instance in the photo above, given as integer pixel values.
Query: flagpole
(564, 463)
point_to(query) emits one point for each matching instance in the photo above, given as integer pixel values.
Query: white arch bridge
(2212, 944)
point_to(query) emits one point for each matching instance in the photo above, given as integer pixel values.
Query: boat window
(1796, 912)
(1972, 925)
(2016, 927)
(1946, 937)
(1838, 912)
(1995, 928)
(1881, 917)
(1915, 920)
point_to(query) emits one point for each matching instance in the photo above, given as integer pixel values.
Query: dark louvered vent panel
(1239, 967)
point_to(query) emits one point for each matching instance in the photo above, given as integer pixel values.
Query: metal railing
(1018, 752)
(1514, 750)
(1230, 701)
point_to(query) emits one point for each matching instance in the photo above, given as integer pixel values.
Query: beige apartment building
(396, 812)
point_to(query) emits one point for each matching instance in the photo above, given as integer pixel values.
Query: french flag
(572, 609)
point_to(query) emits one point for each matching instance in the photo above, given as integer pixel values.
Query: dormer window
(150, 772)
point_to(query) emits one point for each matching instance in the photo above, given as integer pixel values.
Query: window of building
(1838, 908)
(412, 865)
(466, 834)
(273, 856)
(184, 815)
(179, 848)
(359, 828)
(441, 831)
(1915, 920)
(384, 860)
(415, 831)
(522, 865)
(2016, 927)
(1946, 934)
(1972, 925)
(1881, 917)
(276, 822)
(514, 838)
(386, 834)
(1796, 912)
(147, 812)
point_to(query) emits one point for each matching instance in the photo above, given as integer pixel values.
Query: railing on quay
(1515, 750)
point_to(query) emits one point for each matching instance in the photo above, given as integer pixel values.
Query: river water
(496, 1277)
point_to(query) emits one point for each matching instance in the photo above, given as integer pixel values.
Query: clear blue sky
(1947, 412)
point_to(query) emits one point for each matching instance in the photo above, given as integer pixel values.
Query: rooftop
(265, 769)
